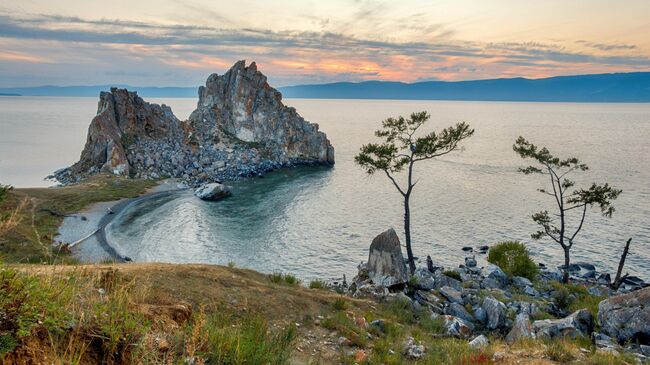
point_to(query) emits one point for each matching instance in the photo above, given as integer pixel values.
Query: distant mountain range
(617, 87)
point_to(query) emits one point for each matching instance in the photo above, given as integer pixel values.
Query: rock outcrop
(213, 192)
(240, 128)
(386, 265)
(626, 317)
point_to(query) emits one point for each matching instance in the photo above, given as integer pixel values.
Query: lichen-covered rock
(522, 328)
(495, 312)
(239, 129)
(386, 266)
(579, 323)
(627, 317)
(457, 327)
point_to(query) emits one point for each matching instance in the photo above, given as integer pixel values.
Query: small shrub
(4, 191)
(513, 258)
(340, 304)
(231, 264)
(246, 341)
(347, 328)
(560, 351)
(275, 277)
(317, 284)
(452, 274)
(400, 309)
(291, 279)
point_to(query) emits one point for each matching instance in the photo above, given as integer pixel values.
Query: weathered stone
(480, 315)
(521, 328)
(444, 280)
(495, 312)
(457, 310)
(627, 317)
(386, 266)
(494, 272)
(451, 294)
(213, 191)
(457, 327)
(479, 342)
(424, 279)
(413, 349)
(579, 323)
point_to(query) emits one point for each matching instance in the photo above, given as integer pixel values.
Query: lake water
(318, 222)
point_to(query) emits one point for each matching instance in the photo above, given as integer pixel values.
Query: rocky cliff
(240, 128)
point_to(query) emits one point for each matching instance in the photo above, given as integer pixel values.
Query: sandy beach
(85, 231)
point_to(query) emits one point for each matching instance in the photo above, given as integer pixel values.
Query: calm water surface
(318, 222)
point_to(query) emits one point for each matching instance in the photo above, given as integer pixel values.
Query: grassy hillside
(196, 314)
(41, 211)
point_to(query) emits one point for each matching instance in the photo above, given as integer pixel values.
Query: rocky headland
(240, 128)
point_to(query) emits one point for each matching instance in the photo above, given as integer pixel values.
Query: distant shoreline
(633, 87)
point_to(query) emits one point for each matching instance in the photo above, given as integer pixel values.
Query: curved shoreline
(118, 208)
(85, 231)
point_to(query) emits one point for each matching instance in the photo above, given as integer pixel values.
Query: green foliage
(347, 328)
(291, 279)
(340, 304)
(317, 284)
(452, 274)
(513, 258)
(231, 264)
(27, 302)
(567, 201)
(399, 309)
(4, 191)
(279, 278)
(560, 351)
(246, 341)
(276, 277)
(572, 297)
(402, 147)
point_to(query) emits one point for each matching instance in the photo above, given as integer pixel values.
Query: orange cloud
(13, 56)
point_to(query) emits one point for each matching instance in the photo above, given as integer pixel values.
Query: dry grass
(36, 213)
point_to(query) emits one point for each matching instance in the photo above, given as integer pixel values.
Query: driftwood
(618, 280)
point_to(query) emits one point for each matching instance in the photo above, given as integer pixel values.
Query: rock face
(626, 317)
(239, 129)
(386, 265)
(579, 323)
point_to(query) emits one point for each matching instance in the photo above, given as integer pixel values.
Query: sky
(180, 43)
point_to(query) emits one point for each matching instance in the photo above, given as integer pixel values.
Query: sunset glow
(179, 43)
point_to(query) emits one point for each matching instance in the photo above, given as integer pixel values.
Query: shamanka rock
(240, 128)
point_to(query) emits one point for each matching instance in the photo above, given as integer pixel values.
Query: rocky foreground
(240, 128)
(474, 302)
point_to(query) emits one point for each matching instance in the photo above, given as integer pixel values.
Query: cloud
(607, 47)
(186, 52)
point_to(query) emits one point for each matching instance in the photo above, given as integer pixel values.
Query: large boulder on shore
(213, 191)
(627, 317)
(386, 266)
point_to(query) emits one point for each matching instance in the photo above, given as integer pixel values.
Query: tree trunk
(407, 234)
(621, 264)
(567, 261)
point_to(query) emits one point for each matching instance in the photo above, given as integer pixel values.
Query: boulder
(424, 279)
(495, 312)
(213, 191)
(626, 317)
(412, 349)
(522, 328)
(451, 294)
(479, 342)
(579, 323)
(457, 310)
(457, 327)
(444, 280)
(495, 273)
(386, 266)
